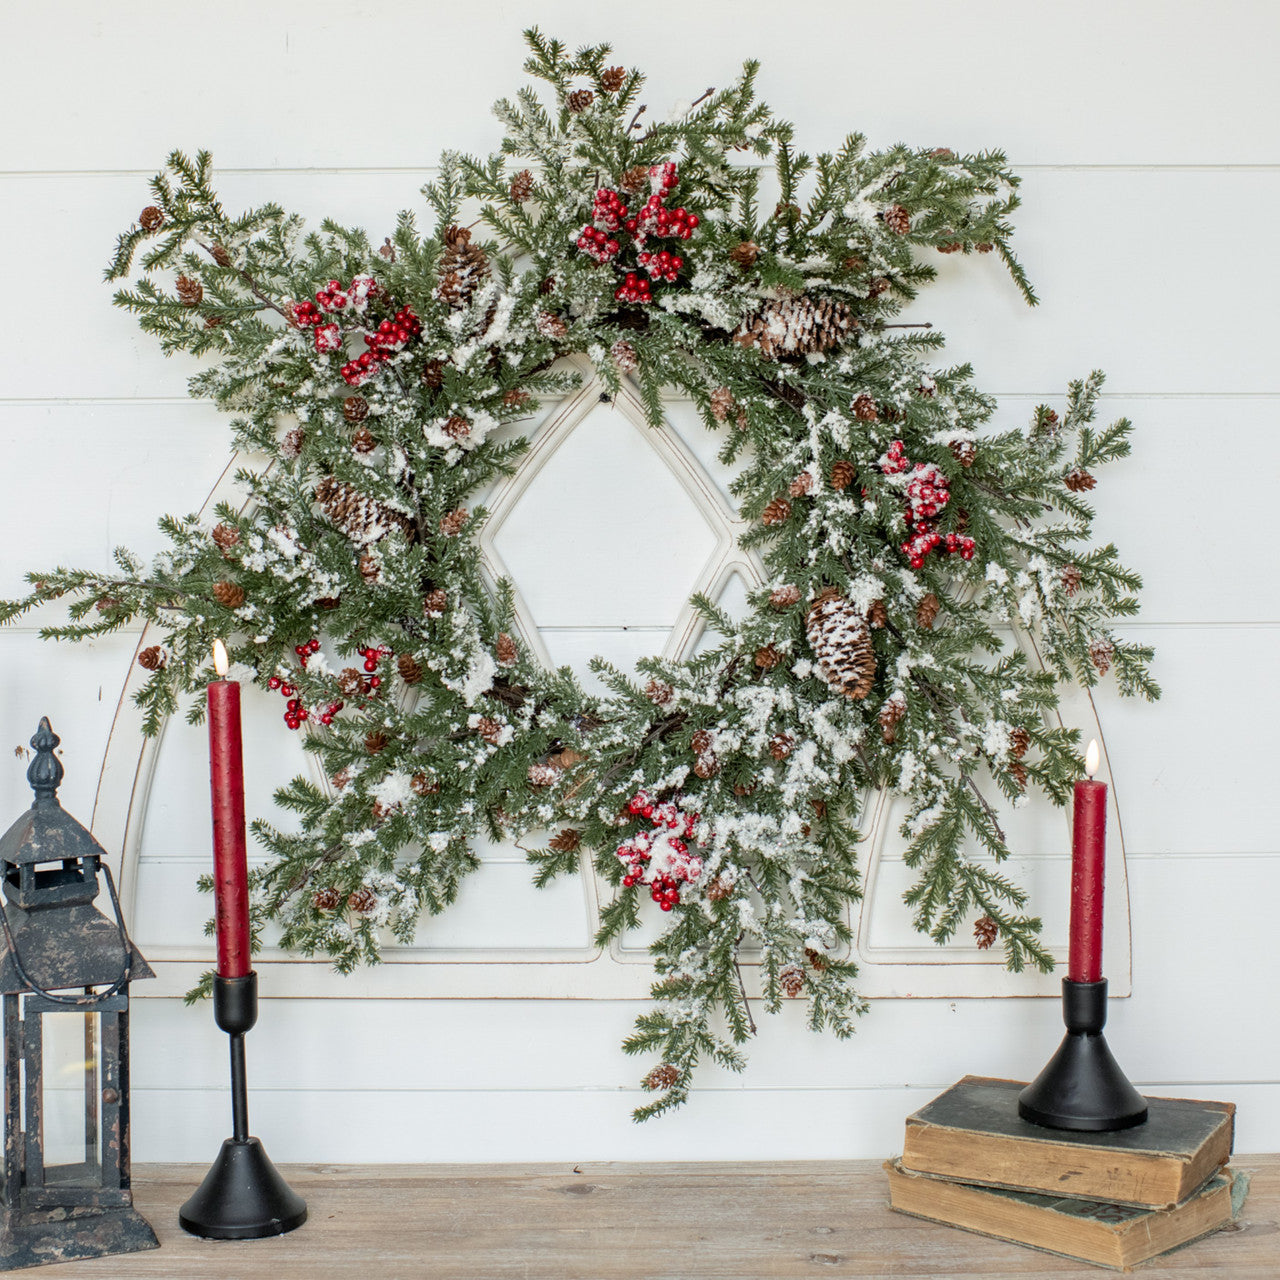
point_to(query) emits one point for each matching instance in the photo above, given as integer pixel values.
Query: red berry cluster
(388, 338)
(660, 857)
(927, 493)
(295, 714)
(610, 215)
(372, 655)
(383, 342)
(304, 651)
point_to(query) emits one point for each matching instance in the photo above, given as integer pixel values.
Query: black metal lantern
(65, 970)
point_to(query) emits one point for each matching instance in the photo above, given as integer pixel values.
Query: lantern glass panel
(72, 1088)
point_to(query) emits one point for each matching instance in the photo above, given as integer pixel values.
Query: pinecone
(434, 603)
(363, 441)
(817, 961)
(635, 179)
(662, 1077)
(984, 246)
(190, 292)
(1101, 651)
(741, 789)
(409, 667)
(785, 596)
(387, 250)
(707, 766)
(1072, 577)
(489, 730)
(364, 902)
(787, 212)
(363, 519)
(151, 659)
(342, 779)
(1019, 742)
(355, 409)
(229, 594)
(877, 615)
(326, 899)
(719, 889)
(841, 641)
(613, 78)
(659, 692)
(421, 785)
(370, 567)
(151, 218)
(776, 512)
(291, 445)
(433, 374)
(521, 187)
(546, 286)
(864, 409)
(791, 979)
(225, 536)
(451, 524)
(843, 474)
(456, 427)
(802, 484)
(579, 100)
(350, 682)
(1018, 771)
(505, 650)
(964, 452)
(543, 775)
(624, 356)
(877, 286)
(515, 399)
(796, 326)
(721, 403)
(375, 742)
(567, 841)
(927, 610)
(767, 657)
(780, 745)
(745, 254)
(1078, 480)
(891, 714)
(550, 325)
(951, 246)
(700, 743)
(212, 322)
(897, 219)
(462, 267)
(985, 930)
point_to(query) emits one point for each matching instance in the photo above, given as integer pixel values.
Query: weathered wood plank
(713, 1221)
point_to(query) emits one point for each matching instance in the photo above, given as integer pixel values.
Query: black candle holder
(242, 1197)
(1082, 1087)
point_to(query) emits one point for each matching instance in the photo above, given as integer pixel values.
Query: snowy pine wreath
(376, 389)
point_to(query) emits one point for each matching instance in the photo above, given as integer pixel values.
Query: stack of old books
(1115, 1199)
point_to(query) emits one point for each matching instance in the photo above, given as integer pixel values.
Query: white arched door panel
(605, 529)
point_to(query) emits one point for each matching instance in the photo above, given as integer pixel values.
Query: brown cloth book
(973, 1133)
(1109, 1235)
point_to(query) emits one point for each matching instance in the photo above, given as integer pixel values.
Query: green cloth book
(1108, 1235)
(973, 1133)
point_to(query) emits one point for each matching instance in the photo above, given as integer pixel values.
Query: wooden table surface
(626, 1222)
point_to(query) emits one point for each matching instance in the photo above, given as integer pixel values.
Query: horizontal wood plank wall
(1144, 136)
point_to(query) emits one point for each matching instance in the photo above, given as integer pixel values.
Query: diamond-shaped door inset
(605, 531)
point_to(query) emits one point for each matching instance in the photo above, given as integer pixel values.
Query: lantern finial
(45, 771)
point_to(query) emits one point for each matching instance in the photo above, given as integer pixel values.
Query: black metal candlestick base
(1082, 1087)
(242, 1197)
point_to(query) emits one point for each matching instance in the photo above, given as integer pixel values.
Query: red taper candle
(1088, 866)
(230, 858)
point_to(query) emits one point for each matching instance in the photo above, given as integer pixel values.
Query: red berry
(274, 682)
(287, 690)
(374, 681)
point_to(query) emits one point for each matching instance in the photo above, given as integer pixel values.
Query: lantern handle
(76, 1001)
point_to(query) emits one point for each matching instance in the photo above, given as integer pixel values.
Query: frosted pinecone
(1072, 577)
(451, 524)
(721, 403)
(463, 266)
(1078, 480)
(1101, 652)
(364, 901)
(865, 409)
(543, 775)
(801, 485)
(776, 512)
(363, 519)
(891, 714)
(785, 596)
(521, 187)
(489, 729)
(225, 536)
(841, 641)
(897, 219)
(985, 932)
(662, 1077)
(767, 657)
(151, 659)
(791, 979)
(505, 650)
(796, 326)
(550, 325)
(780, 745)
(659, 692)
(624, 356)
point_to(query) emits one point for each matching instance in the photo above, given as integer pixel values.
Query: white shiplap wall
(1144, 133)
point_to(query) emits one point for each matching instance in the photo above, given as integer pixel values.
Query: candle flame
(1092, 757)
(220, 663)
